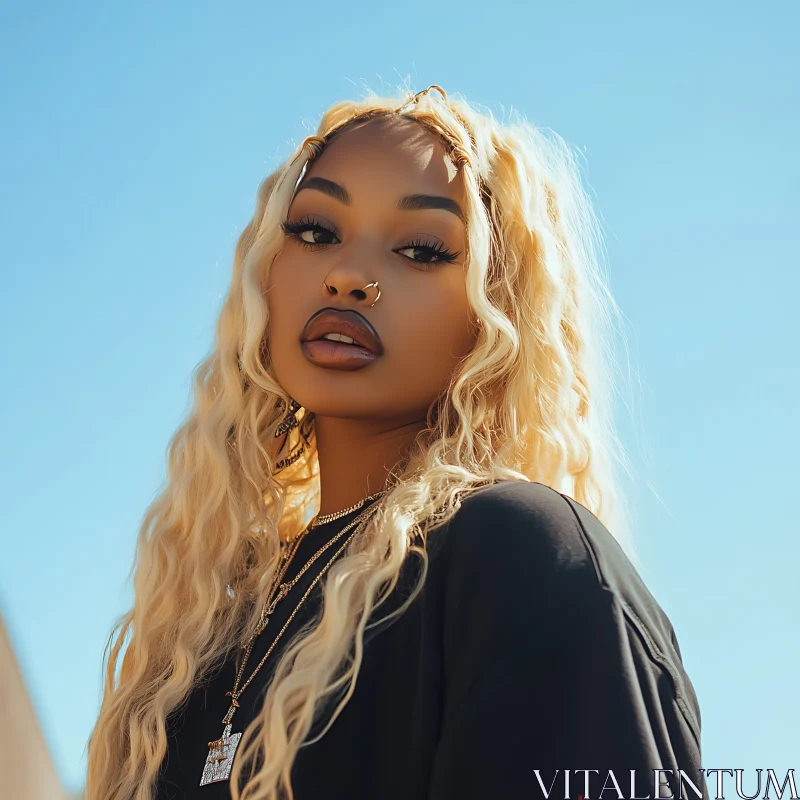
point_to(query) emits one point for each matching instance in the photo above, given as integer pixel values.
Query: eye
(313, 234)
(309, 233)
(427, 252)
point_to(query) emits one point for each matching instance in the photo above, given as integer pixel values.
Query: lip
(337, 355)
(347, 322)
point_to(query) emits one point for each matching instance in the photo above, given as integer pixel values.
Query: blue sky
(134, 138)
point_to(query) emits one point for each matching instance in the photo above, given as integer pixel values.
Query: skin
(366, 419)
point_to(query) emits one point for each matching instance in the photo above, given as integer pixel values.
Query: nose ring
(373, 285)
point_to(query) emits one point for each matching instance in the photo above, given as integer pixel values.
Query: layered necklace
(221, 751)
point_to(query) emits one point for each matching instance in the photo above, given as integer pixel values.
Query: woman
(362, 580)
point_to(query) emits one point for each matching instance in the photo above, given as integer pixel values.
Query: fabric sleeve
(552, 678)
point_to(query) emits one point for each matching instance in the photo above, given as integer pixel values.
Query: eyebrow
(410, 202)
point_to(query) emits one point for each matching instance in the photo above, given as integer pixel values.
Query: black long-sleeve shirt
(534, 654)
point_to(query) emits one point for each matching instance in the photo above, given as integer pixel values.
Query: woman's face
(349, 226)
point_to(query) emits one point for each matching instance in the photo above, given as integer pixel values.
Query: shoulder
(529, 535)
(521, 555)
(530, 530)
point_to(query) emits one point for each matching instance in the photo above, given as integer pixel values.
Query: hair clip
(413, 100)
(425, 91)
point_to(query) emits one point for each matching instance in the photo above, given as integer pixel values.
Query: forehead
(399, 153)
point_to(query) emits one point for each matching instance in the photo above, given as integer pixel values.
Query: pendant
(220, 757)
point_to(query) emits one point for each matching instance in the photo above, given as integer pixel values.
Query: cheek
(436, 335)
(283, 301)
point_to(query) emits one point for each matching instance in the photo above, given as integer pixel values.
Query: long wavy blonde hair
(532, 402)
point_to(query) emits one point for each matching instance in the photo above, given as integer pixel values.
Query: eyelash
(294, 229)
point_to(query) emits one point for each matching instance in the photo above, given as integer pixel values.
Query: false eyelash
(440, 250)
(294, 229)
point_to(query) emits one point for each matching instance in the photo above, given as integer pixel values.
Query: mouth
(340, 339)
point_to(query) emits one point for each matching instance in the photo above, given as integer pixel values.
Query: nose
(352, 286)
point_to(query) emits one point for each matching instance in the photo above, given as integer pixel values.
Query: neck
(356, 457)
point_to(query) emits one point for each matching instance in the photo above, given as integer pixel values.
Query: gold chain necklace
(321, 520)
(269, 606)
(221, 751)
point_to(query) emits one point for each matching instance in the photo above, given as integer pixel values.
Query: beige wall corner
(26, 769)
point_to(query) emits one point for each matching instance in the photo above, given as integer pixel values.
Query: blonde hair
(532, 402)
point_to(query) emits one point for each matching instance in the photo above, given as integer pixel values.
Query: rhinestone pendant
(220, 757)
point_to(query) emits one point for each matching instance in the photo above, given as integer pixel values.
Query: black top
(534, 645)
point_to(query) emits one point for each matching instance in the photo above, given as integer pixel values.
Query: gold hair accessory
(413, 100)
(461, 159)
(425, 91)
(221, 751)
(316, 143)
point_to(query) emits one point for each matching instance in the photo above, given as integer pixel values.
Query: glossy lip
(345, 321)
(337, 355)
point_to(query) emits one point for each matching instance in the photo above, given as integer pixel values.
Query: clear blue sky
(134, 138)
